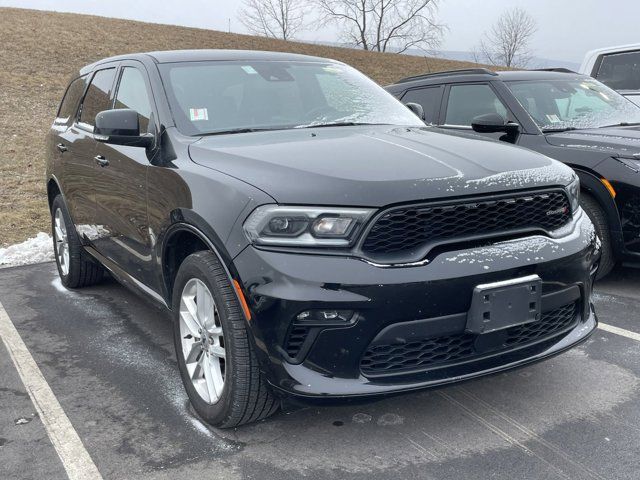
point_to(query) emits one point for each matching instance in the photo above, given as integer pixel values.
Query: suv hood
(613, 141)
(374, 166)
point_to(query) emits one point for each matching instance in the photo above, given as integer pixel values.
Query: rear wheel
(595, 212)
(75, 267)
(216, 360)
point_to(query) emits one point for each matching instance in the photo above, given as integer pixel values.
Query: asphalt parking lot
(108, 358)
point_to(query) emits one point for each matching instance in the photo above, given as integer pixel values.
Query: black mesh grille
(405, 228)
(427, 353)
(295, 339)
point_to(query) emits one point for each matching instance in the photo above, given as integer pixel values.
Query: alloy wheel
(202, 340)
(61, 241)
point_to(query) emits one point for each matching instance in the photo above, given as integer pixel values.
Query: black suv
(569, 117)
(311, 236)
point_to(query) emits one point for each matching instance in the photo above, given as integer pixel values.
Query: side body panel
(121, 200)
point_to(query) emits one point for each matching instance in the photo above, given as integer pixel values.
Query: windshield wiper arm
(338, 124)
(622, 124)
(559, 129)
(241, 130)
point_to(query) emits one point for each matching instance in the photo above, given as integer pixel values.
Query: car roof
(536, 75)
(480, 74)
(172, 56)
(616, 49)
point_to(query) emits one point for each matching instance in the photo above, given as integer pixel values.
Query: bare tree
(385, 25)
(273, 18)
(507, 42)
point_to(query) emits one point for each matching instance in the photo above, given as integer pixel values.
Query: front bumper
(404, 305)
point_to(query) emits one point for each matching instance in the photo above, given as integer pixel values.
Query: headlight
(305, 226)
(573, 192)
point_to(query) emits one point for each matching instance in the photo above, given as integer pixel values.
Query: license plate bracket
(501, 305)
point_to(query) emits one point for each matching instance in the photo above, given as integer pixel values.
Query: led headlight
(305, 226)
(573, 192)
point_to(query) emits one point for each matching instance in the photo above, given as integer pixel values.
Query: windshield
(573, 104)
(221, 96)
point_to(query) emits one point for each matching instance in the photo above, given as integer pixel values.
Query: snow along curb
(37, 249)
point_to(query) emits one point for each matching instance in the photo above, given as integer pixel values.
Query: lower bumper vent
(441, 351)
(295, 340)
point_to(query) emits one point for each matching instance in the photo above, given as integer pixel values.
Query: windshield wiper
(242, 130)
(337, 124)
(558, 129)
(622, 124)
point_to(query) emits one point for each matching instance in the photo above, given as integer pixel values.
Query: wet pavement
(108, 357)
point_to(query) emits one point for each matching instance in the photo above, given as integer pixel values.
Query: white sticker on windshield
(249, 69)
(198, 114)
(553, 118)
(331, 69)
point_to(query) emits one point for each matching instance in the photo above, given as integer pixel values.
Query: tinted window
(466, 102)
(429, 98)
(71, 99)
(214, 97)
(620, 71)
(132, 93)
(97, 98)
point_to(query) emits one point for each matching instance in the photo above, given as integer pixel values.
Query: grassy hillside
(38, 52)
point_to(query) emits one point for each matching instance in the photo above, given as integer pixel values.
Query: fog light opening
(325, 317)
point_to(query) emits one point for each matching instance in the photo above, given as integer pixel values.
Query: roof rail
(464, 71)
(553, 69)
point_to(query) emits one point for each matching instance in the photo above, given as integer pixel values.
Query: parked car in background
(567, 116)
(310, 235)
(616, 67)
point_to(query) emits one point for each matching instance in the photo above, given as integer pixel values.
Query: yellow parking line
(619, 331)
(76, 460)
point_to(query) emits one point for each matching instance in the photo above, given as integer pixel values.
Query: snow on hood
(374, 166)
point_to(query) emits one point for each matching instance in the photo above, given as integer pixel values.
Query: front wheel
(217, 364)
(597, 216)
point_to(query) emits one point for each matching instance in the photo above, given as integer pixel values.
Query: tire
(75, 267)
(594, 211)
(244, 395)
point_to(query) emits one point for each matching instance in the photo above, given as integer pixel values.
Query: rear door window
(620, 71)
(133, 94)
(98, 96)
(429, 98)
(69, 105)
(467, 102)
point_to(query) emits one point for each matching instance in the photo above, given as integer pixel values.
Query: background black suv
(570, 117)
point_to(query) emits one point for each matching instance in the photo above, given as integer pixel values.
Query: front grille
(440, 351)
(403, 229)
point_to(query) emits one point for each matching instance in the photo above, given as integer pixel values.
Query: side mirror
(120, 127)
(417, 109)
(492, 123)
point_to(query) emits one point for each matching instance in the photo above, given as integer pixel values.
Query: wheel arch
(53, 190)
(181, 240)
(590, 184)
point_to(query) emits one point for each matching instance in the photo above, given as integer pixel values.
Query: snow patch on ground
(57, 284)
(37, 249)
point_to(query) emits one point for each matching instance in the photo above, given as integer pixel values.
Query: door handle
(100, 160)
(61, 147)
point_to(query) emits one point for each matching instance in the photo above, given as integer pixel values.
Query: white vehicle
(617, 68)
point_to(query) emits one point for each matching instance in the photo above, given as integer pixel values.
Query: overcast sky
(567, 29)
